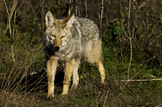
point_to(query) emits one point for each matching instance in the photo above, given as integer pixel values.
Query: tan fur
(101, 70)
(58, 42)
(69, 69)
(75, 74)
(51, 71)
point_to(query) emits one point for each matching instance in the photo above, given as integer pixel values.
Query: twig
(143, 4)
(98, 97)
(86, 8)
(76, 8)
(69, 12)
(157, 79)
(101, 15)
(105, 99)
(130, 38)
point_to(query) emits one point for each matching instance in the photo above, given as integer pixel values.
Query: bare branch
(101, 14)
(157, 79)
(9, 24)
(86, 8)
(69, 12)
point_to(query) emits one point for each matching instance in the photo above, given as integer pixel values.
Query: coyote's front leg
(68, 74)
(75, 73)
(51, 71)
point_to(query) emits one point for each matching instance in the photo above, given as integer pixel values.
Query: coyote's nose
(57, 48)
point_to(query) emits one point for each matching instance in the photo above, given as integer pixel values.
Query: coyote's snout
(69, 40)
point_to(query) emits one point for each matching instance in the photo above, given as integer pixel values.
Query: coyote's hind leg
(101, 70)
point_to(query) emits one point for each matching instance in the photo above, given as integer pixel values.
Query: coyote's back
(69, 40)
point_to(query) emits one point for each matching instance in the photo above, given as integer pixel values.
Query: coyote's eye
(54, 36)
(62, 37)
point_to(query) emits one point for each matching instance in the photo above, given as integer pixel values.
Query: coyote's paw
(50, 97)
(104, 82)
(73, 87)
(64, 93)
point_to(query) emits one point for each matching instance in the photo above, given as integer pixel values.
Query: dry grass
(15, 99)
(113, 94)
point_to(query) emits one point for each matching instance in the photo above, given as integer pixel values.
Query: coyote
(70, 39)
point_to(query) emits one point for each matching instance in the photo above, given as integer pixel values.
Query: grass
(24, 82)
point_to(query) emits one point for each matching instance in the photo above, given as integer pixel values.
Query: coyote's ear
(50, 20)
(69, 21)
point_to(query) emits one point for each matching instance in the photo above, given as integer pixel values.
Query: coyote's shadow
(38, 82)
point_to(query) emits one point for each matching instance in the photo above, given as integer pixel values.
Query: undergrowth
(24, 83)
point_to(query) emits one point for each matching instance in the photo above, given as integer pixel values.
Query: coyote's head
(58, 31)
